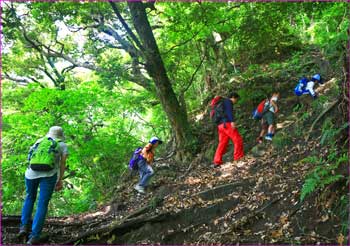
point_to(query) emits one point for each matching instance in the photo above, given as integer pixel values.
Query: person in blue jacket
(306, 86)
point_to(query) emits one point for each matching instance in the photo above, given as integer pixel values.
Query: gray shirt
(62, 150)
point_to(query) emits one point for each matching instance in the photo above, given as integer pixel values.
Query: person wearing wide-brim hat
(48, 179)
(144, 163)
(56, 132)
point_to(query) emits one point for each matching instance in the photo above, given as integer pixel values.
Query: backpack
(303, 82)
(263, 107)
(43, 154)
(217, 112)
(135, 158)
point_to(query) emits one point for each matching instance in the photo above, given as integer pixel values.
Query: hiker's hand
(59, 185)
(233, 125)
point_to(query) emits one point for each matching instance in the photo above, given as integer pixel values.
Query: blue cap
(317, 77)
(154, 140)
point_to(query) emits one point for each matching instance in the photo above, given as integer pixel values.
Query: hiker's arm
(233, 125)
(59, 184)
(145, 152)
(310, 88)
(274, 104)
(228, 110)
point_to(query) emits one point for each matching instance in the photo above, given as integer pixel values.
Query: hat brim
(56, 137)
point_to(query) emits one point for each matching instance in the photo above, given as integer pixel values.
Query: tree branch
(60, 77)
(180, 44)
(126, 46)
(23, 80)
(68, 69)
(319, 117)
(194, 74)
(125, 25)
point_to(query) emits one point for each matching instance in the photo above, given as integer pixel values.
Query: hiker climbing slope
(306, 86)
(222, 115)
(268, 120)
(47, 161)
(144, 163)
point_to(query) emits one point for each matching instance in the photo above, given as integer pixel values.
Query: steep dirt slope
(256, 200)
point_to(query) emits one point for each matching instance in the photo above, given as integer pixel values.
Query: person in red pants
(227, 130)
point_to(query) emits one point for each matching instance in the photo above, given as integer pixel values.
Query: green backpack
(42, 155)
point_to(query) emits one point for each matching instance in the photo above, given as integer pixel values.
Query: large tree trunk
(155, 67)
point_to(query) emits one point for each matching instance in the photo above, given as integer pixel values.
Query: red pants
(225, 134)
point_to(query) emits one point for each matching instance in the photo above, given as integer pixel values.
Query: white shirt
(310, 88)
(272, 109)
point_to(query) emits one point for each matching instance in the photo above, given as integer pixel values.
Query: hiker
(268, 118)
(47, 162)
(306, 86)
(227, 130)
(144, 163)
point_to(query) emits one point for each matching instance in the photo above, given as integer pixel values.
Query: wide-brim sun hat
(56, 132)
(154, 140)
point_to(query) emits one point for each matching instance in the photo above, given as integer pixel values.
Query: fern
(309, 186)
(311, 159)
(322, 175)
(331, 179)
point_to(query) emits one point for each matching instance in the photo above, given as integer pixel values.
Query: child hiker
(144, 163)
(306, 86)
(268, 118)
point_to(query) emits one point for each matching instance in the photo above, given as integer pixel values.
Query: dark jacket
(228, 107)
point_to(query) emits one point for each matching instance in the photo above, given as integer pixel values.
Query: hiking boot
(33, 241)
(259, 140)
(139, 189)
(23, 231)
(43, 238)
(216, 165)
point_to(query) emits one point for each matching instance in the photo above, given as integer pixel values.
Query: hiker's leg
(142, 169)
(272, 123)
(222, 146)
(148, 173)
(47, 186)
(237, 142)
(263, 131)
(273, 130)
(264, 128)
(31, 192)
(147, 176)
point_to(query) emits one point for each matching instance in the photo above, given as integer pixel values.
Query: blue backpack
(135, 158)
(303, 82)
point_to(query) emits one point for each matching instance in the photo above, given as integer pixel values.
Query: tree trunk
(156, 69)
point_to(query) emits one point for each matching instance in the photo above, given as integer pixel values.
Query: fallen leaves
(276, 234)
(340, 239)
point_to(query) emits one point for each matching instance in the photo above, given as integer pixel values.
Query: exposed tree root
(319, 117)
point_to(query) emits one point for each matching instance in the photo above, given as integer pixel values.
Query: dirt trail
(255, 200)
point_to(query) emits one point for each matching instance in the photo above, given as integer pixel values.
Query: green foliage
(329, 132)
(105, 112)
(311, 159)
(325, 170)
(101, 129)
(320, 104)
(281, 140)
(298, 107)
(322, 176)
